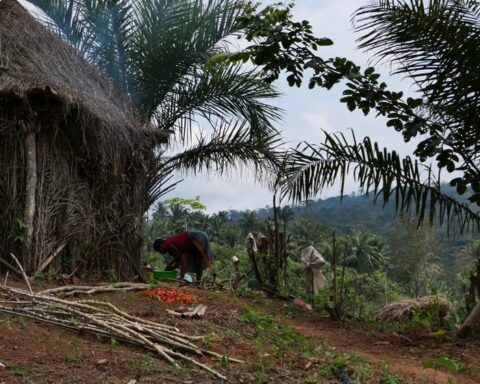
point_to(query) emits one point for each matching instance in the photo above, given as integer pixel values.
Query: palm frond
(219, 92)
(230, 147)
(171, 37)
(159, 183)
(388, 176)
(111, 24)
(65, 18)
(435, 42)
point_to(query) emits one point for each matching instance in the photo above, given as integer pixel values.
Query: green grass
(267, 329)
(18, 370)
(20, 322)
(74, 354)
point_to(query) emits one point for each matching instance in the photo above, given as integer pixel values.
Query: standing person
(190, 251)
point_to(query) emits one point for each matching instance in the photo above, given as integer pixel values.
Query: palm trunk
(276, 243)
(30, 192)
(471, 324)
(256, 270)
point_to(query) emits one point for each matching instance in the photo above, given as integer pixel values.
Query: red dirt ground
(40, 353)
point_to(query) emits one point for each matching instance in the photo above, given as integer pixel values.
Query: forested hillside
(360, 212)
(356, 211)
(384, 256)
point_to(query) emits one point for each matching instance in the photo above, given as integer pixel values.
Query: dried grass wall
(88, 207)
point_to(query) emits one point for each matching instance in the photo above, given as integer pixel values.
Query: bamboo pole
(30, 191)
(22, 271)
(50, 258)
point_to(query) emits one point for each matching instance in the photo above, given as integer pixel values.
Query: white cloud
(235, 192)
(317, 121)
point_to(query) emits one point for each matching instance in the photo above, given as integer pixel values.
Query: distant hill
(350, 212)
(360, 212)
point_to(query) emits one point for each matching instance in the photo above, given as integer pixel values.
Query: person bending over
(190, 251)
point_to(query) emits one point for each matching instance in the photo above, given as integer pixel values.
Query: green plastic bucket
(165, 275)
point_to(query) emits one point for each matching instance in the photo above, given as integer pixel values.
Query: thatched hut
(74, 156)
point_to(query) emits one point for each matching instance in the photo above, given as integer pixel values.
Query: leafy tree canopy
(433, 42)
(193, 204)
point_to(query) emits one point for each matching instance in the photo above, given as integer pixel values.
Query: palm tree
(248, 222)
(157, 52)
(308, 232)
(217, 225)
(367, 252)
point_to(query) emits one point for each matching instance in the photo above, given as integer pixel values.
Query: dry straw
(91, 163)
(403, 311)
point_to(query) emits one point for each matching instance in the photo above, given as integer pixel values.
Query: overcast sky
(307, 113)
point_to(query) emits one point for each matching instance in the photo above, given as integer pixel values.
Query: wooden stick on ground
(10, 267)
(70, 290)
(50, 258)
(23, 272)
(106, 320)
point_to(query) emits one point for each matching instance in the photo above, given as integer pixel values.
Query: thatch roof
(39, 69)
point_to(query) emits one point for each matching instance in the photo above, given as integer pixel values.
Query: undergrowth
(329, 364)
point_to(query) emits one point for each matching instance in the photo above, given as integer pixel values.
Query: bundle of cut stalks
(74, 290)
(192, 313)
(403, 311)
(104, 319)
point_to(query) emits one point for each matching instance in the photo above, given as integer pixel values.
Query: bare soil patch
(275, 353)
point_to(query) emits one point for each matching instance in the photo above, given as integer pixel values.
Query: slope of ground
(280, 343)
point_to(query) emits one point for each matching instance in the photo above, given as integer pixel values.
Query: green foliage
(367, 252)
(74, 353)
(111, 275)
(249, 222)
(225, 361)
(308, 231)
(444, 362)
(16, 231)
(388, 378)
(425, 319)
(113, 342)
(390, 177)
(208, 340)
(231, 146)
(193, 204)
(22, 322)
(18, 370)
(414, 262)
(278, 43)
(5, 323)
(266, 329)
